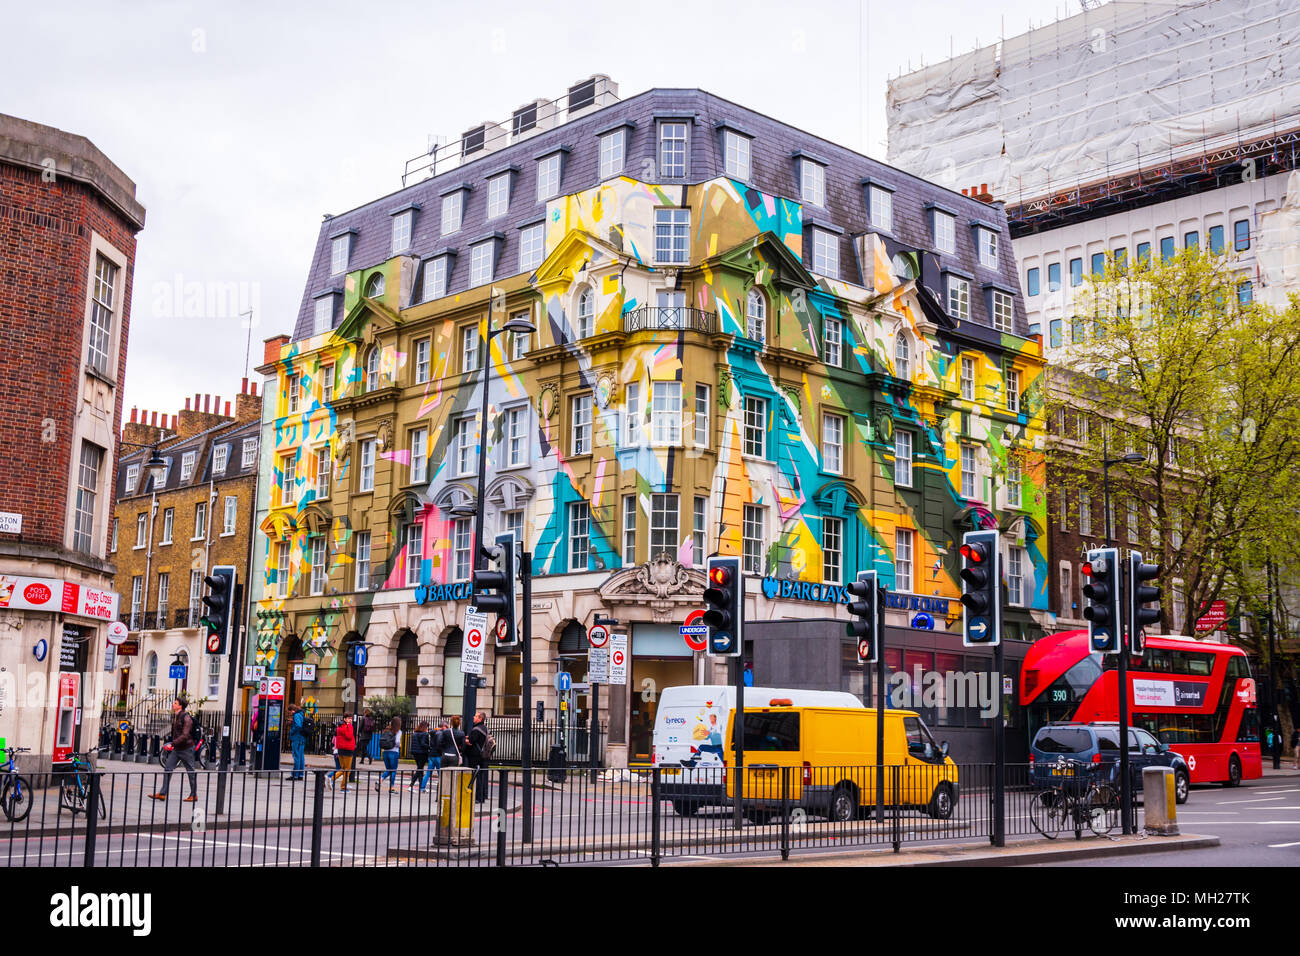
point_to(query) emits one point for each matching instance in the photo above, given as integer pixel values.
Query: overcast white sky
(242, 123)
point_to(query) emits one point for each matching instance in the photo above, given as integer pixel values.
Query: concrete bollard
(1160, 808)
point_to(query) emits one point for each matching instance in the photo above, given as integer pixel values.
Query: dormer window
(736, 154)
(881, 210)
(987, 240)
(812, 182)
(375, 286)
(452, 206)
(944, 227)
(402, 230)
(672, 150)
(340, 247)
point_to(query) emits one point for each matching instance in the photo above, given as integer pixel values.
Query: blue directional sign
(176, 672)
(359, 655)
(978, 626)
(565, 680)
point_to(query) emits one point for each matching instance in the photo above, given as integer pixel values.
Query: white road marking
(1281, 846)
(1222, 803)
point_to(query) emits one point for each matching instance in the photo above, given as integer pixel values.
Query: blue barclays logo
(428, 593)
(804, 591)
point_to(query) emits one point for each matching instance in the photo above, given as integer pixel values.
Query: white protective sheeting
(1123, 85)
(1277, 247)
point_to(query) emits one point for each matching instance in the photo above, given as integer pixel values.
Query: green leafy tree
(1169, 361)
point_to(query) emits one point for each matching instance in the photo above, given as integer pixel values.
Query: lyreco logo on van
(675, 721)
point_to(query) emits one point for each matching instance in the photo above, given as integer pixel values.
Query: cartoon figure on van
(707, 728)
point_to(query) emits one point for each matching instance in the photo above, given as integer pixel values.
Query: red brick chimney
(272, 347)
(248, 407)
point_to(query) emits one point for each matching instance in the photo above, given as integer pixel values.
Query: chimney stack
(187, 404)
(207, 404)
(134, 411)
(243, 386)
(227, 409)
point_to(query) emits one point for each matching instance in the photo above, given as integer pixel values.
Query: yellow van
(831, 756)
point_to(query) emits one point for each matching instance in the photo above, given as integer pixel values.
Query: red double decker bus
(1195, 696)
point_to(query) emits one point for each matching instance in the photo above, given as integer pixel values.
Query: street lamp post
(519, 326)
(1126, 790)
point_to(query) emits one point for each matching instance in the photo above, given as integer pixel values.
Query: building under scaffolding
(1126, 124)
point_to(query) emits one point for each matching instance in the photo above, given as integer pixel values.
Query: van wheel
(844, 803)
(685, 809)
(761, 818)
(941, 803)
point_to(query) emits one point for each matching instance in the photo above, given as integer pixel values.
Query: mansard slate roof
(203, 444)
(775, 149)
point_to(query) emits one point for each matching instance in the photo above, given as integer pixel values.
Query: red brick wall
(45, 231)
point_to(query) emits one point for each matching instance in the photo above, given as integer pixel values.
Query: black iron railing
(503, 816)
(669, 318)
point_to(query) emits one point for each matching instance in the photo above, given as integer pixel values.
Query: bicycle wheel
(69, 796)
(1045, 813)
(1102, 810)
(16, 798)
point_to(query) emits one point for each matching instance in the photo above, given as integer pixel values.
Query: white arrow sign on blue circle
(978, 626)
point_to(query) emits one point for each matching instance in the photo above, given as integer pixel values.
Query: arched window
(586, 313)
(375, 286)
(408, 665)
(902, 357)
(453, 681)
(151, 673)
(372, 370)
(756, 316)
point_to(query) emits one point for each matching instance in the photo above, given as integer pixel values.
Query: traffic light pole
(1125, 636)
(526, 751)
(880, 705)
(738, 674)
(999, 755)
(235, 656)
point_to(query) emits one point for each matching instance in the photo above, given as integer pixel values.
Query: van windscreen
(773, 731)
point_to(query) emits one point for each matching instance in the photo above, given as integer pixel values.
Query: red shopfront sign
(1215, 616)
(53, 595)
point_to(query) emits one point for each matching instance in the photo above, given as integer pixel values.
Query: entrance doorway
(650, 675)
(408, 667)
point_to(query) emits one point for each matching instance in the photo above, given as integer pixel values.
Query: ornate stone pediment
(665, 584)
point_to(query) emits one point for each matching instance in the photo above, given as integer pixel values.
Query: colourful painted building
(748, 341)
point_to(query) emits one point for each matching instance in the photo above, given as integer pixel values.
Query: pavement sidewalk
(1015, 853)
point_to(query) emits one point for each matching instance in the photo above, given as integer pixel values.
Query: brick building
(68, 225)
(169, 533)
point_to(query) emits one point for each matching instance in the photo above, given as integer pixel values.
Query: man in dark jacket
(364, 731)
(474, 757)
(180, 749)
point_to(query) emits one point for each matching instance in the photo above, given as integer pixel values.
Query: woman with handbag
(390, 744)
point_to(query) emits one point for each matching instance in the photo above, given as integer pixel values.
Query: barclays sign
(428, 593)
(775, 588)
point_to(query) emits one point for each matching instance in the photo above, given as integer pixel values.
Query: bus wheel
(844, 803)
(941, 803)
(1234, 772)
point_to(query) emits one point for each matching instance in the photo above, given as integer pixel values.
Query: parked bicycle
(74, 791)
(15, 789)
(1077, 799)
(203, 749)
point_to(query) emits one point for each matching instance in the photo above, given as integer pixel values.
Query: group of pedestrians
(432, 750)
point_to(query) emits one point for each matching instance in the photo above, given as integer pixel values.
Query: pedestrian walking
(345, 743)
(420, 746)
(365, 730)
(441, 748)
(298, 741)
(390, 747)
(477, 752)
(180, 750)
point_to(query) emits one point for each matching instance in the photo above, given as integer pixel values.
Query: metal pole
(880, 705)
(738, 735)
(470, 699)
(1274, 716)
(999, 754)
(235, 654)
(1126, 795)
(591, 726)
(526, 753)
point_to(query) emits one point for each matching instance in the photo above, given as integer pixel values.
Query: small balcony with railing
(674, 318)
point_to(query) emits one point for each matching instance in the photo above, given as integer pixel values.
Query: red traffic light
(1086, 569)
(974, 553)
(720, 576)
